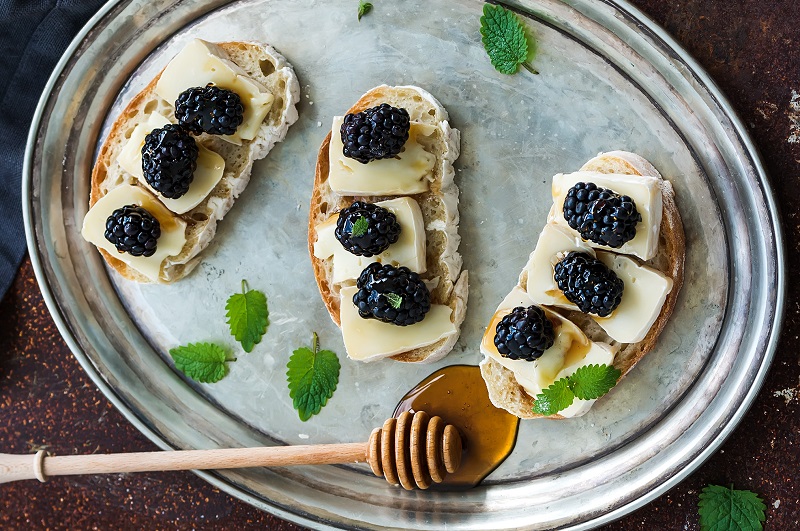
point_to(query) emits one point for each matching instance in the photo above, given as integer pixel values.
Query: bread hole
(323, 208)
(266, 67)
(199, 216)
(151, 106)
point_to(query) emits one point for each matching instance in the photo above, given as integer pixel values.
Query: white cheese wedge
(370, 339)
(408, 250)
(173, 229)
(201, 63)
(571, 350)
(644, 294)
(408, 173)
(553, 240)
(645, 192)
(210, 167)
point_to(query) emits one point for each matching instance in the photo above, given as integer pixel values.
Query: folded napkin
(33, 35)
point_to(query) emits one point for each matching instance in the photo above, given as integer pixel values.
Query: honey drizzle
(458, 394)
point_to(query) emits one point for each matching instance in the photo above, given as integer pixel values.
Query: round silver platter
(609, 79)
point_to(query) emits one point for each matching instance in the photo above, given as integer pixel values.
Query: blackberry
(133, 230)
(209, 109)
(588, 283)
(365, 229)
(524, 334)
(376, 133)
(601, 215)
(391, 294)
(169, 158)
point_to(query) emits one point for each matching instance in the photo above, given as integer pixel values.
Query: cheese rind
(210, 167)
(541, 287)
(173, 229)
(644, 294)
(201, 63)
(643, 189)
(408, 250)
(570, 351)
(408, 173)
(370, 339)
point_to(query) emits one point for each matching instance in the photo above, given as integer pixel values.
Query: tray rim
(646, 26)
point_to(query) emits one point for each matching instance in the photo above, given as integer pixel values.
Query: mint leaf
(553, 399)
(313, 375)
(248, 316)
(726, 509)
(503, 37)
(203, 362)
(593, 381)
(394, 299)
(360, 227)
(363, 9)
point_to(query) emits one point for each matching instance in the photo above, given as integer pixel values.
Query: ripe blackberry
(209, 109)
(601, 215)
(169, 158)
(133, 230)
(391, 294)
(525, 334)
(376, 133)
(366, 229)
(588, 283)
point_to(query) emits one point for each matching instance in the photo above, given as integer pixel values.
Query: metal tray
(610, 79)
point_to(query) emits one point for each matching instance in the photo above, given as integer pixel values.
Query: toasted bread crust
(506, 393)
(453, 288)
(200, 221)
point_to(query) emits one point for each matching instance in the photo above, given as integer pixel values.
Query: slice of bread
(439, 208)
(264, 64)
(505, 392)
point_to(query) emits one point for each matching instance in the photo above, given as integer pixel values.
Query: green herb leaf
(248, 316)
(203, 362)
(363, 9)
(313, 375)
(553, 399)
(726, 509)
(360, 227)
(394, 299)
(593, 381)
(503, 37)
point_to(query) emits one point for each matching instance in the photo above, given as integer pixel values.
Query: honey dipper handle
(39, 466)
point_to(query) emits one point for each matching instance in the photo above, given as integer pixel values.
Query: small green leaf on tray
(203, 362)
(726, 509)
(360, 227)
(503, 36)
(363, 9)
(248, 316)
(313, 375)
(587, 383)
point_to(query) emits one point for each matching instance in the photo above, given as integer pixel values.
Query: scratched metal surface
(765, 110)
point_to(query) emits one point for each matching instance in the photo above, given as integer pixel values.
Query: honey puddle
(458, 394)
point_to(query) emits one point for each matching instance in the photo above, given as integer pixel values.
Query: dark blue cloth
(33, 35)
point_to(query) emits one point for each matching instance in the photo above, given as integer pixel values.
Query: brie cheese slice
(571, 350)
(645, 192)
(170, 243)
(370, 339)
(408, 173)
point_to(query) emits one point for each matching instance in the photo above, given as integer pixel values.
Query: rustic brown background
(752, 50)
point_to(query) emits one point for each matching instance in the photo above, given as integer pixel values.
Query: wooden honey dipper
(411, 450)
